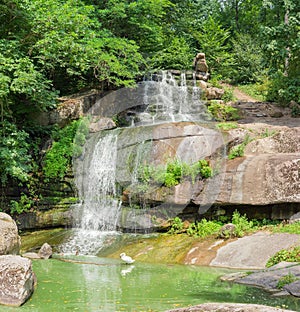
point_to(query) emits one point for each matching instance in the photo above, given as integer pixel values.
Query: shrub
(172, 173)
(58, 159)
(288, 255)
(203, 228)
(222, 112)
(241, 223)
(176, 226)
(238, 150)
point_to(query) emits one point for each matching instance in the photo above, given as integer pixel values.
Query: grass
(256, 91)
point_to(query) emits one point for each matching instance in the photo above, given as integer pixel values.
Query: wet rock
(45, 252)
(101, 124)
(269, 279)
(9, 239)
(16, 280)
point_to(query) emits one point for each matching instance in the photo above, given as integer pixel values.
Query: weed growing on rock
(203, 228)
(238, 150)
(288, 255)
(285, 280)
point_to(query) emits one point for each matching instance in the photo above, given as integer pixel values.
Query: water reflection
(99, 284)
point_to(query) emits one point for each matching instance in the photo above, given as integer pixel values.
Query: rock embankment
(229, 307)
(17, 279)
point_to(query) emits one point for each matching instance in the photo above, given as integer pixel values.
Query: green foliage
(225, 126)
(212, 39)
(203, 228)
(238, 150)
(288, 255)
(241, 223)
(285, 280)
(228, 95)
(256, 90)
(222, 112)
(248, 60)
(176, 55)
(172, 173)
(176, 226)
(58, 158)
(293, 228)
(295, 110)
(15, 159)
(23, 205)
(283, 89)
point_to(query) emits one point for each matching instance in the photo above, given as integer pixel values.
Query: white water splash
(97, 214)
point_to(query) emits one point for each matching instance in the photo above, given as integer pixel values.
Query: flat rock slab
(269, 279)
(229, 307)
(253, 252)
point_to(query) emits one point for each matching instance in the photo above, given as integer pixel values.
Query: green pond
(101, 284)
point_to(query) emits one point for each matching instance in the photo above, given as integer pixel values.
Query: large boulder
(9, 239)
(229, 307)
(16, 280)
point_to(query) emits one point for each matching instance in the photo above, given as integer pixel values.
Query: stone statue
(201, 67)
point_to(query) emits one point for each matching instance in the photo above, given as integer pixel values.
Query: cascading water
(169, 100)
(98, 212)
(97, 216)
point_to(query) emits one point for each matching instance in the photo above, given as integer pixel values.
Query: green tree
(212, 39)
(75, 50)
(281, 34)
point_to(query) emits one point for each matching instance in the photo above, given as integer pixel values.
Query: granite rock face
(16, 280)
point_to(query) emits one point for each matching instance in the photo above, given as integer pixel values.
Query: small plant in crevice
(285, 280)
(176, 226)
(173, 172)
(225, 126)
(238, 150)
(288, 255)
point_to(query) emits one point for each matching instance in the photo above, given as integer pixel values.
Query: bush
(172, 173)
(241, 223)
(283, 89)
(203, 228)
(288, 255)
(58, 159)
(222, 112)
(15, 159)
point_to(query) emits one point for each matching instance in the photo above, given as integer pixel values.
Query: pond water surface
(102, 284)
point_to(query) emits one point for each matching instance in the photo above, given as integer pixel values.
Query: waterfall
(97, 214)
(168, 99)
(158, 99)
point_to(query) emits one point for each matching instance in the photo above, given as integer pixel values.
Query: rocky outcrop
(9, 237)
(282, 279)
(253, 252)
(229, 307)
(16, 280)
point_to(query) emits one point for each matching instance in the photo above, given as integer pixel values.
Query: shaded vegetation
(55, 48)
